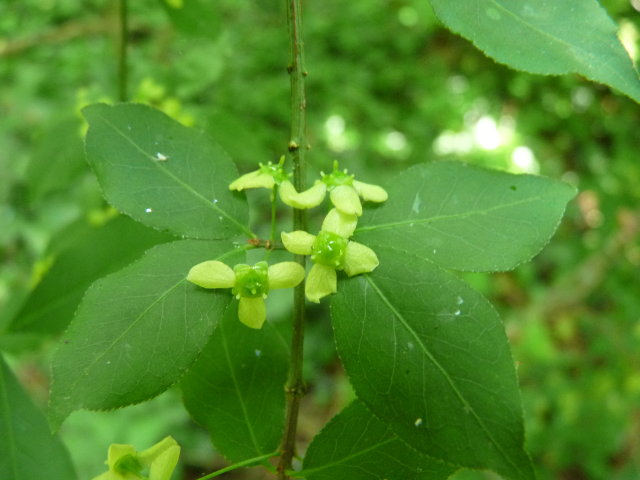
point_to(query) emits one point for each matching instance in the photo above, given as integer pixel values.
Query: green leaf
(137, 331)
(429, 356)
(94, 253)
(196, 18)
(235, 389)
(547, 36)
(57, 158)
(467, 218)
(164, 174)
(358, 446)
(28, 448)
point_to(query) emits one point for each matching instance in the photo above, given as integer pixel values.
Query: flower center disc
(251, 282)
(328, 249)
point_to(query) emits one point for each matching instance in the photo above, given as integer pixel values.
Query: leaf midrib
(455, 216)
(134, 323)
(440, 368)
(306, 472)
(177, 180)
(243, 406)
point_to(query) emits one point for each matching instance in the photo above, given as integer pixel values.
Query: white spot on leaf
(161, 157)
(416, 204)
(148, 210)
(418, 422)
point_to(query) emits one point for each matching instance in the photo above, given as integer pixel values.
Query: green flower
(310, 198)
(344, 191)
(250, 284)
(330, 250)
(267, 176)
(126, 464)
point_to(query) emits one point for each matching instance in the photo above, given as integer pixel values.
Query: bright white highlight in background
(395, 141)
(449, 142)
(334, 129)
(486, 133)
(524, 160)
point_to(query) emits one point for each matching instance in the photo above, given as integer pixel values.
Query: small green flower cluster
(330, 250)
(154, 463)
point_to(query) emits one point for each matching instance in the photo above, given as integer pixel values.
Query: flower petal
(255, 179)
(321, 281)
(310, 198)
(150, 454)
(252, 311)
(108, 476)
(370, 193)
(298, 242)
(346, 200)
(359, 258)
(339, 223)
(212, 274)
(164, 465)
(285, 275)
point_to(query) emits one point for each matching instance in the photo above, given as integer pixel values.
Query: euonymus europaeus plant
(427, 356)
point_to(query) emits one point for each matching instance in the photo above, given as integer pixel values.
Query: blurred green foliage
(387, 87)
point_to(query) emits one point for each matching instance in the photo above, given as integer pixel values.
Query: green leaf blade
(94, 253)
(429, 356)
(464, 217)
(163, 174)
(358, 446)
(550, 37)
(235, 389)
(137, 331)
(28, 447)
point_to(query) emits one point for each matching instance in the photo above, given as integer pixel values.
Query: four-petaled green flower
(154, 463)
(267, 176)
(344, 191)
(250, 284)
(330, 250)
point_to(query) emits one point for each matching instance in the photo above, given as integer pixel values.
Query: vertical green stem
(274, 211)
(297, 148)
(123, 37)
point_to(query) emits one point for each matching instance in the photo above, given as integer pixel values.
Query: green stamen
(128, 464)
(337, 177)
